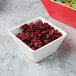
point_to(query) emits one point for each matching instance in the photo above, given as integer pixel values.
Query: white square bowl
(41, 53)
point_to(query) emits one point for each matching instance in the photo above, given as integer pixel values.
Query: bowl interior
(14, 31)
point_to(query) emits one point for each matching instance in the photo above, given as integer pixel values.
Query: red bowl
(60, 12)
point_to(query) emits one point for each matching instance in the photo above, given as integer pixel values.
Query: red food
(38, 34)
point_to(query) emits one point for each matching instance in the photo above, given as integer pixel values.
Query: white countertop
(15, 63)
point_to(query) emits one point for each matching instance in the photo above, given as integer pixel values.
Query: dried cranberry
(24, 27)
(21, 36)
(51, 32)
(47, 36)
(46, 41)
(39, 23)
(53, 38)
(45, 24)
(38, 34)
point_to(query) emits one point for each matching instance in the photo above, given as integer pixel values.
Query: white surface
(41, 53)
(13, 62)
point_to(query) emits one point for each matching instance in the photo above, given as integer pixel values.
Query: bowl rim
(63, 5)
(31, 50)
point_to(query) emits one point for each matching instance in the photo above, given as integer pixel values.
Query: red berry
(51, 32)
(38, 34)
(21, 36)
(46, 41)
(39, 22)
(47, 36)
(24, 27)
